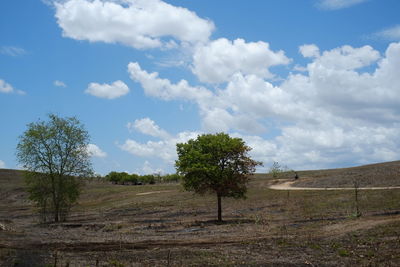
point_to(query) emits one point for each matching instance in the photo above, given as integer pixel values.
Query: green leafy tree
(55, 155)
(215, 163)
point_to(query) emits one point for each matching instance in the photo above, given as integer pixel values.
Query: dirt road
(288, 185)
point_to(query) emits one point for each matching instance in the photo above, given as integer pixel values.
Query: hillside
(162, 225)
(379, 174)
(12, 187)
(372, 175)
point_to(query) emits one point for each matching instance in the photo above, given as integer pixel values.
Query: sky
(310, 84)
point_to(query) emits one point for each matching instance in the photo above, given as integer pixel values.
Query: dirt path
(288, 186)
(153, 192)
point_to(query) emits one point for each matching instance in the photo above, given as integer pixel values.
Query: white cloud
(12, 51)
(163, 88)
(7, 88)
(109, 91)
(95, 151)
(348, 58)
(2, 164)
(138, 23)
(332, 86)
(164, 149)
(149, 169)
(338, 4)
(391, 34)
(344, 109)
(310, 50)
(217, 61)
(299, 68)
(59, 83)
(148, 127)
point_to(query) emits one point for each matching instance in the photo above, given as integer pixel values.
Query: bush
(125, 178)
(168, 178)
(277, 170)
(122, 178)
(148, 179)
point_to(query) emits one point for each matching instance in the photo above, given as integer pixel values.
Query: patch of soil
(153, 192)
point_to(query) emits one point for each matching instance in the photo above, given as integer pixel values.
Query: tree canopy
(55, 155)
(215, 163)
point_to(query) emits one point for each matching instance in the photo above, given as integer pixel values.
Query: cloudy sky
(307, 83)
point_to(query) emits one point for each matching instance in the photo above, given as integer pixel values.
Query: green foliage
(148, 179)
(171, 178)
(277, 170)
(125, 178)
(116, 263)
(121, 177)
(55, 155)
(215, 163)
(343, 252)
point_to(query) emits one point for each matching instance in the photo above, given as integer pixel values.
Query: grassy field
(161, 225)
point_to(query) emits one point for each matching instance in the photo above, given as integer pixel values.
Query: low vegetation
(162, 225)
(124, 178)
(386, 174)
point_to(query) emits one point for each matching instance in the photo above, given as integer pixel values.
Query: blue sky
(310, 84)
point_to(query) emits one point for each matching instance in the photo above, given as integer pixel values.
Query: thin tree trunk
(55, 200)
(56, 212)
(219, 208)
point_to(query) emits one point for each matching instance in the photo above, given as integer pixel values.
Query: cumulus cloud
(2, 164)
(333, 84)
(340, 115)
(163, 88)
(213, 108)
(138, 23)
(344, 108)
(338, 4)
(59, 83)
(148, 127)
(149, 169)
(310, 50)
(109, 91)
(95, 151)
(217, 61)
(348, 58)
(164, 149)
(7, 88)
(391, 34)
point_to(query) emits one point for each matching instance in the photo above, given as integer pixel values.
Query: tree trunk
(56, 213)
(219, 208)
(55, 197)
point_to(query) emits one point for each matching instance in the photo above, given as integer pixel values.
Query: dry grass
(382, 174)
(116, 225)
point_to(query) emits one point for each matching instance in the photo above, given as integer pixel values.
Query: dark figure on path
(296, 176)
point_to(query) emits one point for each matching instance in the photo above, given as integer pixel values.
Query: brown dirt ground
(116, 225)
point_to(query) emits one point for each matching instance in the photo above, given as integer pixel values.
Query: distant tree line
(125, 178)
